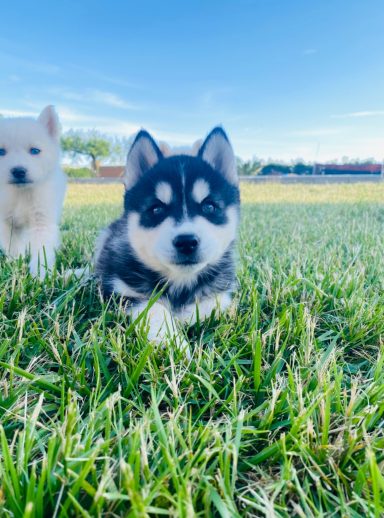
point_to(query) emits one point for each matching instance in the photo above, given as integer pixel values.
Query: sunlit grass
(280, 412)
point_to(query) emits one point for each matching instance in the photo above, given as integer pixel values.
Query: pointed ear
(217, 151)
(49, 118)
(142, 156)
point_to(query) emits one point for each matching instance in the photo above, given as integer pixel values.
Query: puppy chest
(19, 214)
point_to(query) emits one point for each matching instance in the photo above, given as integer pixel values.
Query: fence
(310, 179)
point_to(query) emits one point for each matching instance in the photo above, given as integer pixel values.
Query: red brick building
(111, 171)
(323, 169)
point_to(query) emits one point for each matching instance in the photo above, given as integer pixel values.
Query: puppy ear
(142, 156)
(217, 151)
(49, 118)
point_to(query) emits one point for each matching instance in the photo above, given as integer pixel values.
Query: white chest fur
(29, 217)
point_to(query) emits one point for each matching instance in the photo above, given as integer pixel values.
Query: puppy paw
(162, 328)
(38, 270)
(182, 345)
(41, 262)
(78, 274)
(166, 339)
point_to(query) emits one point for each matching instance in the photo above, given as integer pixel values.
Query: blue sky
(286, 78)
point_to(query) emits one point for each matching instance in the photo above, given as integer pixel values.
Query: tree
(249, 167)
(119, 149)
(89, 144)
(275, 169)
(301, 168)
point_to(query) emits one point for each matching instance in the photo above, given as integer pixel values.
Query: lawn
(279, 413)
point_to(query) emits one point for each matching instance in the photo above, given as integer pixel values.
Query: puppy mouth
(187, 262)
(21, 182)
(181, 260)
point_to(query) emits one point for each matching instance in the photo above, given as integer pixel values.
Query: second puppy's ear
(142, 156)
(217, 151)
(50, 120)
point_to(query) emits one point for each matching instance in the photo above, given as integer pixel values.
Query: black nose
(19, 173)
(186, 243)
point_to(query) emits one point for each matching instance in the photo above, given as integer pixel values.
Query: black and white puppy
(176, 235)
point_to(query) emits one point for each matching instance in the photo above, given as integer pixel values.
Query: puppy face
(182, 211)
(29, 149)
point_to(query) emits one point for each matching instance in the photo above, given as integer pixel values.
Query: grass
(279, 413)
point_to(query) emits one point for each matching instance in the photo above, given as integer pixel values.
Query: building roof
(111, 171)
(348, 168)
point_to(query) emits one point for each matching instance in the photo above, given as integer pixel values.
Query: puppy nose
(19, 173)
(186, 243)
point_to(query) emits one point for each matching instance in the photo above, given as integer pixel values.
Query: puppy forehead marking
(200, 190)
(164, 192)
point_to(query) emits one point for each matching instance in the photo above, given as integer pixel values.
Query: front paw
(166, 338)
(38, 270)
(162, 329)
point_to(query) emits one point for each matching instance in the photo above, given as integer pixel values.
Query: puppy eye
(35, 151)
(3, 151)
(209, 207)
(157, 209)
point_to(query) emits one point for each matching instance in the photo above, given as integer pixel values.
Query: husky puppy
(32, 188)
(176, 235)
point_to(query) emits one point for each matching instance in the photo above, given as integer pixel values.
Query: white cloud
(111, 99)
(316, 132)
(74, 119)
(71, 118)
(17, 113)
(34, 66)
(328, 149)
(118, 81)
(173, 138)
(361, 114)
(312, 144)
(94, 96)
(123, 128)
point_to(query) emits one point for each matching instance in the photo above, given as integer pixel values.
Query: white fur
(119, 286)
(204, 308)
(164, 192)
(30, 214)
(200, 190)
(219, 154)
(154, 246)
(141, 154)
(159, 317)
(161, 325)
(100, 242)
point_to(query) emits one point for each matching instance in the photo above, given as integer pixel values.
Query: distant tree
(88, 144)
(248, 167)
(275, 169)
(358, 161)
(119, 149)
(301, 168)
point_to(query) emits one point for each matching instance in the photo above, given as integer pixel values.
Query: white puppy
(32, 188)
